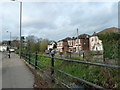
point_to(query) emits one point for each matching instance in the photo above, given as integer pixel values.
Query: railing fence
(29, 59)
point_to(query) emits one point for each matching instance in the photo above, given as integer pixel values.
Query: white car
(12, 50)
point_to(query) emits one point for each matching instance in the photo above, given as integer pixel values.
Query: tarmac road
(15, 74)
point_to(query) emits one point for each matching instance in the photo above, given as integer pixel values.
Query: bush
(17, 51)
(110, 44)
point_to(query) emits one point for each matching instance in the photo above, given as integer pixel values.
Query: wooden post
(36, 58)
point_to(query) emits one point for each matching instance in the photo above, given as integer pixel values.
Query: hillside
(111, 29)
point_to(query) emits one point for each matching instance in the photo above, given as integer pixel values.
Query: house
(95, 43)
(51, 45)
(84, 42)
(75, 44)
(71, 44)
(3, 48)
(62, 45)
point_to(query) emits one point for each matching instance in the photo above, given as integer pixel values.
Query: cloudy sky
(57, 20)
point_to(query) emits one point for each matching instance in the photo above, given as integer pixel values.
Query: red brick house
(74, 44)
(62, 45)
(84, 41)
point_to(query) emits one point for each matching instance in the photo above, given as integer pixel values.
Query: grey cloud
(58, 20)
(39, 25)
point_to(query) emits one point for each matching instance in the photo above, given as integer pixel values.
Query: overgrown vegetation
(106, 77)
(111, 44)
(95, 74)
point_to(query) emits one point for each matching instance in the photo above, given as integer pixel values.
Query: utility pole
(78, 43)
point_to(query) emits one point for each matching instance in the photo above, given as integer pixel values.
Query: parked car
(47, 51)
(12, 50)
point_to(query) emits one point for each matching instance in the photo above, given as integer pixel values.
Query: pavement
(15, 74)
(0, 70)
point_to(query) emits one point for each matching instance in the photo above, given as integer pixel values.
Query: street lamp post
(20, 27)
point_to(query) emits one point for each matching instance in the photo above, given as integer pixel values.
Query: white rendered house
(51, 45)
(3, 48)
(95, 44)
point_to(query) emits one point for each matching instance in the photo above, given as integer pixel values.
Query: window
(96, 48)
(92, 39)
(96, 39)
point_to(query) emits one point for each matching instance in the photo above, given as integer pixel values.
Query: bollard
(36, 58)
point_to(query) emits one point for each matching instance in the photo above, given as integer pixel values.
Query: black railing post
(52, 68)
(29, 57)
(83, 55)
(70, 54)
(21, 54)
(104, 61)
(52, 64)
(26, 56)
(36, 58)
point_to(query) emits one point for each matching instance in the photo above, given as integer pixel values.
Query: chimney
(94, 33)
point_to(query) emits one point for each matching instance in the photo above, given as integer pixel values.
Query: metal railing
(36, 62)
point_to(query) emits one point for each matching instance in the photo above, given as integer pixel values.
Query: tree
(43, 45)
(110, 44)
(31, 43)
(36, 44)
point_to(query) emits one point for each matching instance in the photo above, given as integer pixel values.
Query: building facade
(51, 45)
(60, 46)
(64, 44)
(3, 48)
(83, 42)
(95, 44)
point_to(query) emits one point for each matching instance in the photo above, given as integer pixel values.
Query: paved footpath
(0, 70)
(15, 74)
